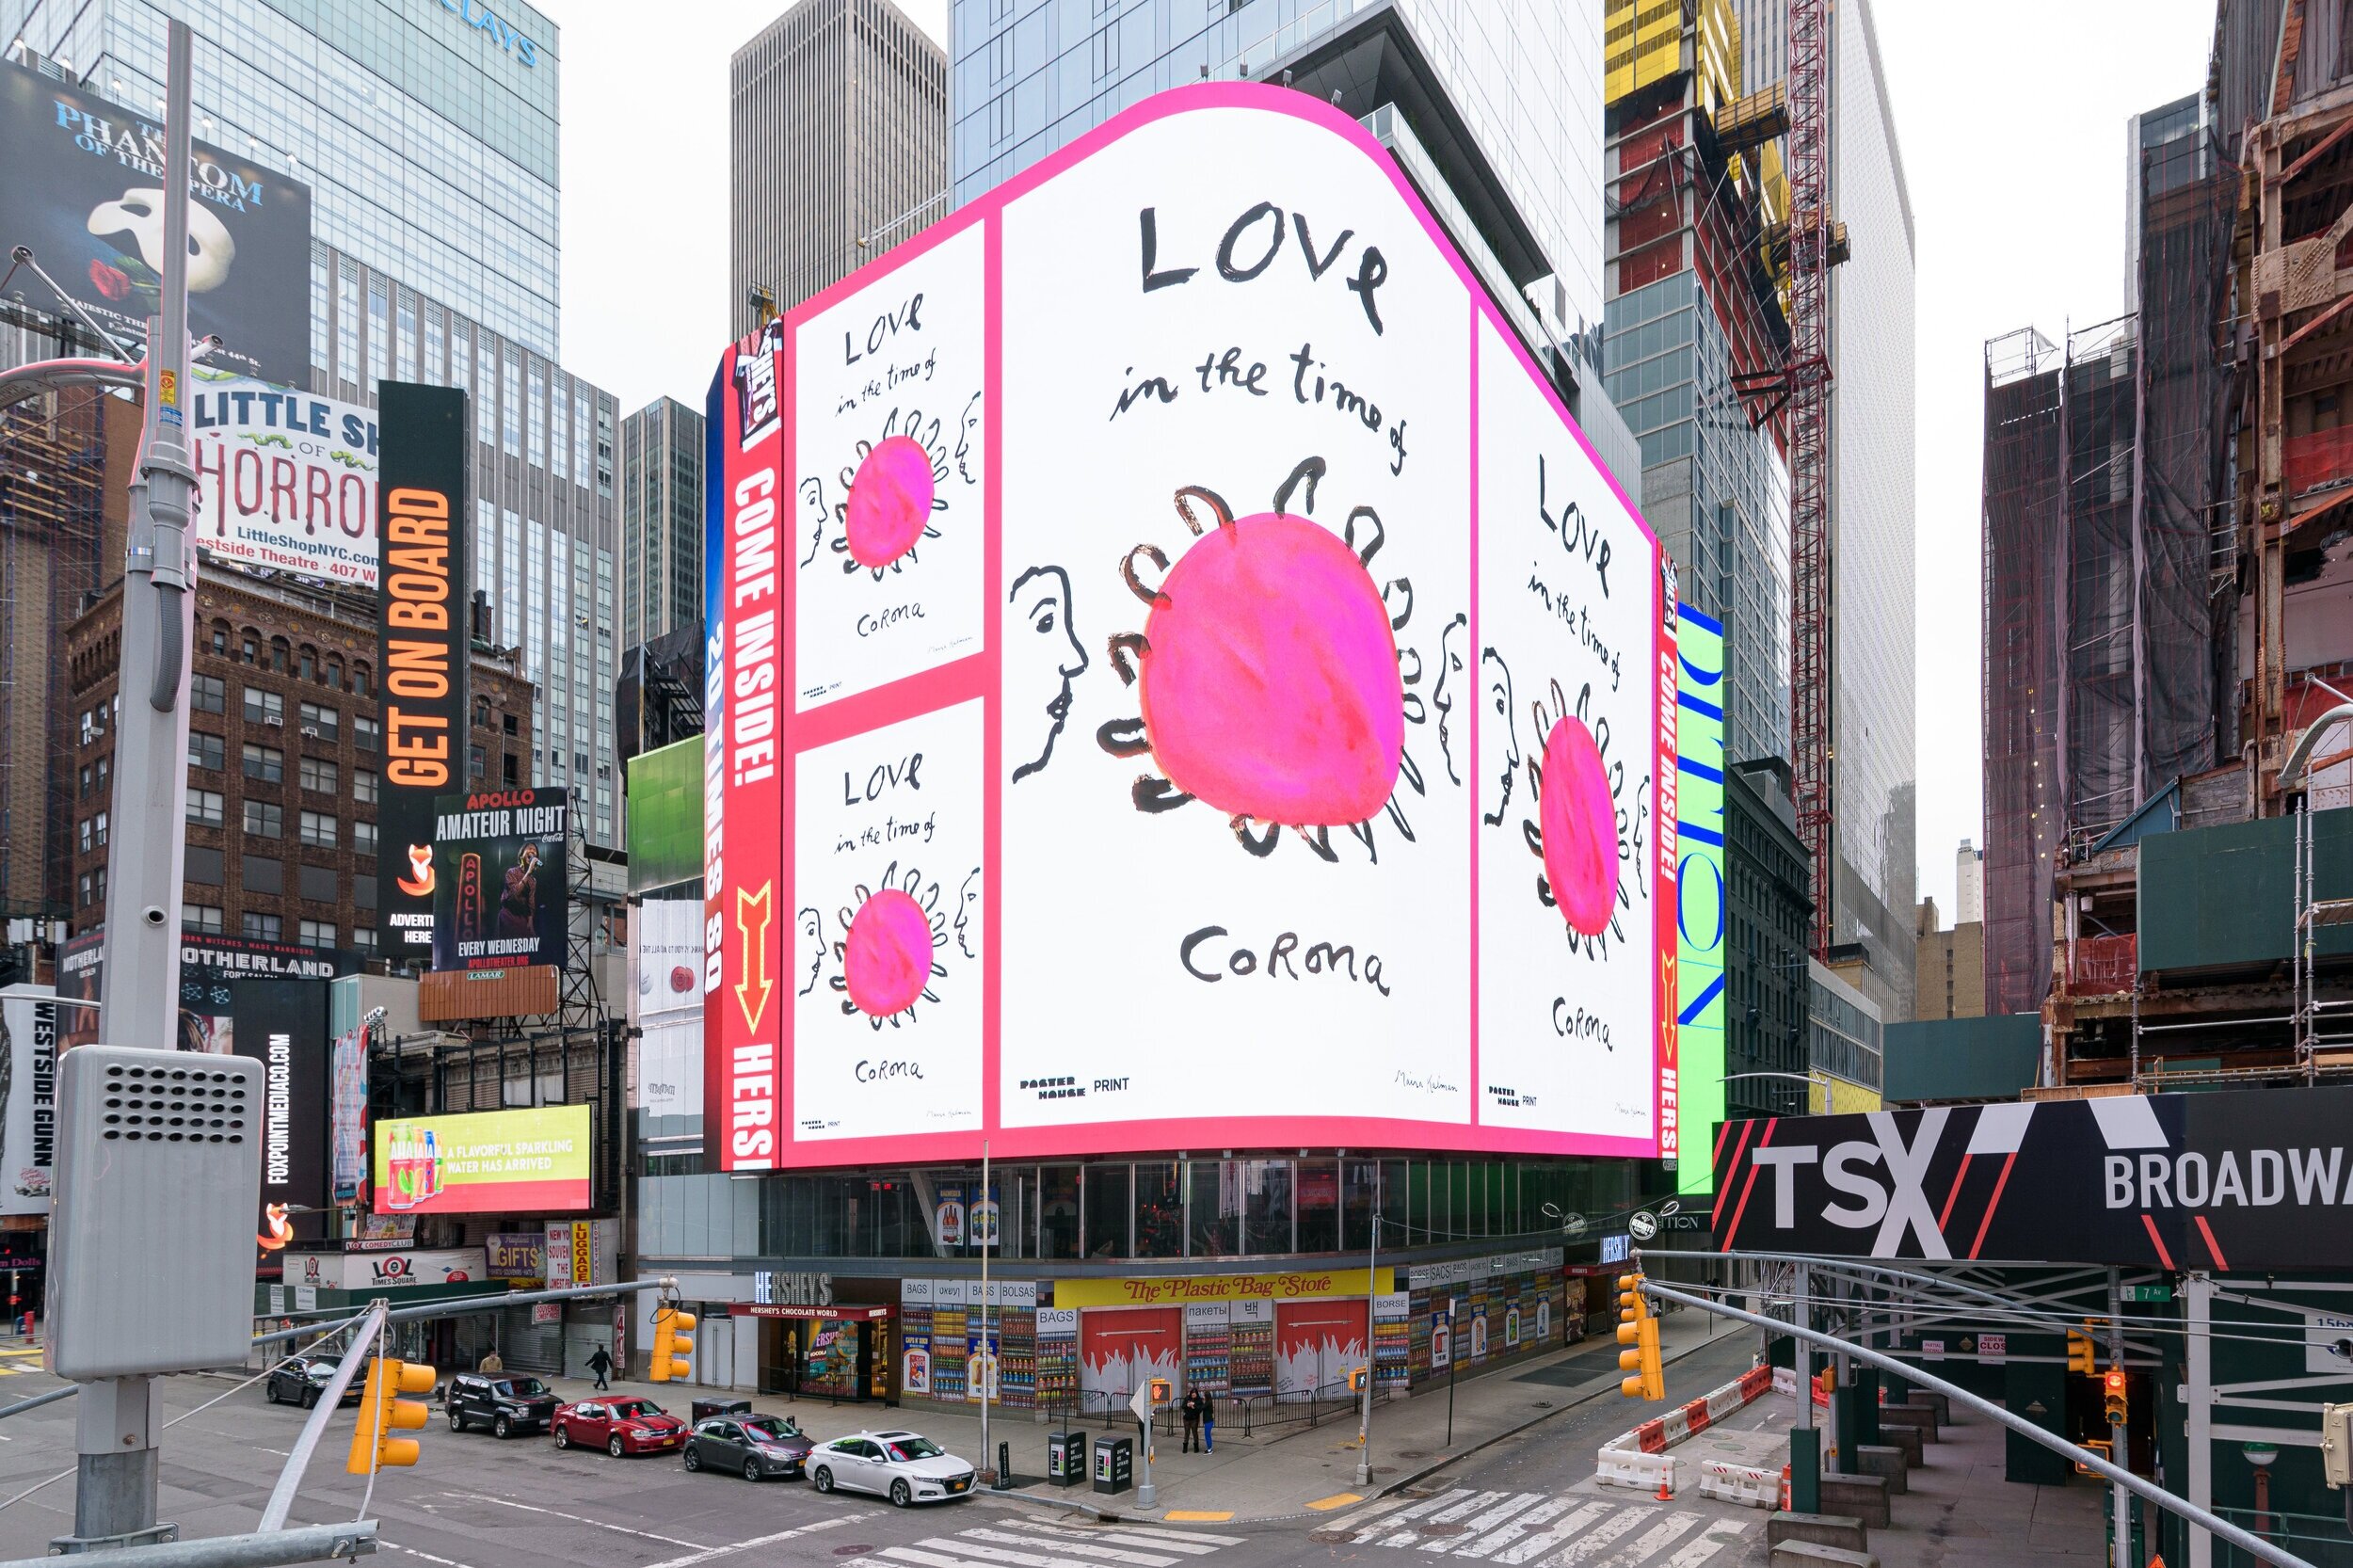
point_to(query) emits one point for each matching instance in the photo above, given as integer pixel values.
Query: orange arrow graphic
(752, 912)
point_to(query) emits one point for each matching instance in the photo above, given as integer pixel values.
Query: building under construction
(2168, 602)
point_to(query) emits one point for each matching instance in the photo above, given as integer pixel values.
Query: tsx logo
(1895, 1202)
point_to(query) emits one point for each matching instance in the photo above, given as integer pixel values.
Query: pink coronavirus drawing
(1578, 832)
(887, 957)
(1269, 674)
(889, 495)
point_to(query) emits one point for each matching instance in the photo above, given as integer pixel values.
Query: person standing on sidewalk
(1192, 1421)
(600, 1363)
(1208, 1425)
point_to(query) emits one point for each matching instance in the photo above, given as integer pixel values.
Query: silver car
(901, 1465)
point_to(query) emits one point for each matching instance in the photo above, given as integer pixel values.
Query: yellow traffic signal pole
(330, 1398)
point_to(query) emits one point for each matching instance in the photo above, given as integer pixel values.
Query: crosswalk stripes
(1031, 1543)
(1564, 1530)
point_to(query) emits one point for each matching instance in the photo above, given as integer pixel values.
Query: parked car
(298, 1379)
(620, 1426)
(505, 1403)
(904, 1466)
(753, 1446)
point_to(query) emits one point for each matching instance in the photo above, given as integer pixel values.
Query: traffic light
(383, 1412)
(2079, 1353)
(1639, 1329)
(1159, 1392)
(1357, 1378)
(673, 1344)
(2112, 1395)
(1827, 1381)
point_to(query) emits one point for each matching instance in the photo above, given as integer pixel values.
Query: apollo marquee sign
(2253, 1180)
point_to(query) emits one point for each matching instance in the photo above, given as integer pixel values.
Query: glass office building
(428, 142)
(1523, 77)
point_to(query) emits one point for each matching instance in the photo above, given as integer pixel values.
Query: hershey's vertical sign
(422, 638)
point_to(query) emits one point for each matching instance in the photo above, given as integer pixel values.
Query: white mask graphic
(141, 212)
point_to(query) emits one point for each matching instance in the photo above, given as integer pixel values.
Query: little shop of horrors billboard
(1176, 675)
(2247, 1181)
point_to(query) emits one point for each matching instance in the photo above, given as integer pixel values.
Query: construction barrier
(1746, 1485)
(1622, 1461)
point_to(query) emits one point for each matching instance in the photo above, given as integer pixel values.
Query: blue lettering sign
(483, 20)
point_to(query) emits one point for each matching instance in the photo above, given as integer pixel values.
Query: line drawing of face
(1042, 596)
(966, 896)
(1498, 682)
(1449, 673)
(812, 926)
(964, 435)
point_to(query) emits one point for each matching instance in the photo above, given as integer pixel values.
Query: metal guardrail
(2320, 1539)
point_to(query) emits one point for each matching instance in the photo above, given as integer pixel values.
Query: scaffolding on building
(2024, 504)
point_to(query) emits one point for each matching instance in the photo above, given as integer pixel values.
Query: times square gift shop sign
(1177, 676)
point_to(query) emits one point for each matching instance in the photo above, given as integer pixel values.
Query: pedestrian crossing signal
(1357, 1378)
(383, 1412)
(673, 1344)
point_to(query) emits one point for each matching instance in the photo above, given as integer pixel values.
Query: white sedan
(899, 1465)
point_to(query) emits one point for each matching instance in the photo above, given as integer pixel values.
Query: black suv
(505, 1403)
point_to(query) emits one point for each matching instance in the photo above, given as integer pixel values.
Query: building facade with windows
(838, 131)
(546, 512)
(285, 758)
(428, 139)
(662, 522)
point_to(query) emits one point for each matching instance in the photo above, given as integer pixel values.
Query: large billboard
(421, 641)
(211, 964)
(286, 479)
(1177, 676)
(666, 816)
(492, 1163)
(31, 1034)
(2246, 1182)
(282, 1023)
(665, 956)
(1699, 907)
(82, 186)
(498, 869)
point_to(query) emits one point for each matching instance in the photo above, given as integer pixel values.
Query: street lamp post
(1372, 1287)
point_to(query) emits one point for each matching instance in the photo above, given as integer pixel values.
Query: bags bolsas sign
(2253, 1180)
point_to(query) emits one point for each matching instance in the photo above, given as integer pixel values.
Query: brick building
(284, 745)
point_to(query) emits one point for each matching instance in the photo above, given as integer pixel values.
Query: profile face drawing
(1449, 689)
(1047, 656)
(1503, 750)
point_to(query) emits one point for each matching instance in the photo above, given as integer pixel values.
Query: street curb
(1416, 1477)
(1108, 1516)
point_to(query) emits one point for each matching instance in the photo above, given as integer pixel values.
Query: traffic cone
(1666, 1492)
(1784, 1490)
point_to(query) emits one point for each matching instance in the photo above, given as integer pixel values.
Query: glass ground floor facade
(1258, 1280)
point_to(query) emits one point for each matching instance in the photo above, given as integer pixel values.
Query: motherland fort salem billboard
(1176, 675)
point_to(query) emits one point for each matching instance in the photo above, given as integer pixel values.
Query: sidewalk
(1302, 1469)
(1960, 1513)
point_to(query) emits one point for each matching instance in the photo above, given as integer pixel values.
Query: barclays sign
(510, 39)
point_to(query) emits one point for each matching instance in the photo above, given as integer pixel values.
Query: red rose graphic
(110, 281)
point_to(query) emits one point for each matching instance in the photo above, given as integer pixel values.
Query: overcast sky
(2013, 128)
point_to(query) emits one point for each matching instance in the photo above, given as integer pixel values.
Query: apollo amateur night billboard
(2233, 1182)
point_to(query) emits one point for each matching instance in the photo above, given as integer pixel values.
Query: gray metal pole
(2198, 1296)
(2120, 1435)
(1801, 1316)
(2255, 1547)
(139, 987)
(1372, 1289)
(988, 1348)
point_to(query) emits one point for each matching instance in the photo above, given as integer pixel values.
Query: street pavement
(1518, 1489)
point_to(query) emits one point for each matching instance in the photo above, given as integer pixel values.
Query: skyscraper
(838, 130)
(427, 132)
(662, 521)
(1873, 775)
(1968, 885)
(1513, 173)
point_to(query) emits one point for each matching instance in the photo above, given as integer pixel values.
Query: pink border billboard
(1178, 678)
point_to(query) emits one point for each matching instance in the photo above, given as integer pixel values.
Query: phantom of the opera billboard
(1176, 675)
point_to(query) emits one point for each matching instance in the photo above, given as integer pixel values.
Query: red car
(620, 1426)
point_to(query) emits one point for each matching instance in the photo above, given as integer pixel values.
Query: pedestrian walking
(600, 1363)
(492, 1366)
(1192, 1421)
(1208, 1425)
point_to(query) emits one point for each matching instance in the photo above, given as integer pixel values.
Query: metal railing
(2320, 1539)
